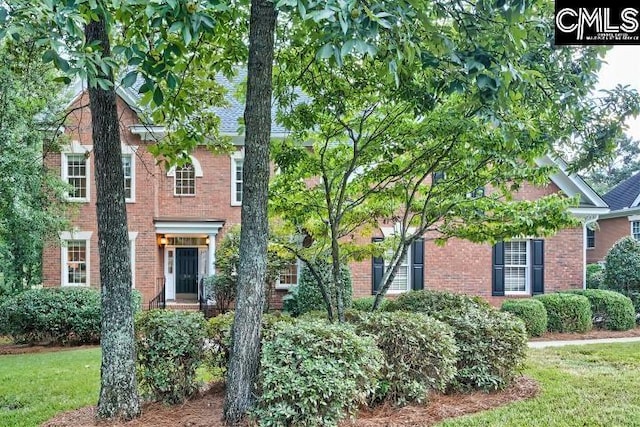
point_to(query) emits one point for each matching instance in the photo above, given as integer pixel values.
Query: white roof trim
(196, 167)
(571, 184)
(184, 227)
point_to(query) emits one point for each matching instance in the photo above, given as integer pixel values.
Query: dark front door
(186, 270)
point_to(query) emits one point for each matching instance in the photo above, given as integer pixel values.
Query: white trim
(148, 132)
(71, 236)
(408, 265)
(75, 148)
(631, 228)
(196, 167)
(633, 218)
(527, 269)
(196, 227)
(235, 159)
(279, 286)
(133, 235)
(132, 158)
(586, 223)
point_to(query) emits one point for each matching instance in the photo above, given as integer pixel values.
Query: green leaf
(130, 79)
(49, 55)
(158, 96)
(325, 51)
(347, 47)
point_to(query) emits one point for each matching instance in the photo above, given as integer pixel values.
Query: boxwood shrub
(52, 315)
(169, 347)
(314, 373)
(531, 312)
(366, 303)
(420, 354)
(434, 303)
(567, 312)
(610, 310)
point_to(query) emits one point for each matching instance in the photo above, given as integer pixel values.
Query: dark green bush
(366, 303)
(610, 310)
(622, 266)
(218, 331)
(314, 373)
(52, 315)
(567, 312)
(307, 295)
(169, 347)
(595, 276)
(531, 312)
(55, 315)
(635, 300)
(420, 354)
(435, 303)
(491, 348)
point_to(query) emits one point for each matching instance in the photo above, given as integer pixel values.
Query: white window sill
(74, 285)
(396, 292)
(234, 203)
(284, 287)
(517, 293)
(77, 200)
(184, 195)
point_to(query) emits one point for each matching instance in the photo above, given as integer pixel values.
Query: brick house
(622, 220)
(178, 217)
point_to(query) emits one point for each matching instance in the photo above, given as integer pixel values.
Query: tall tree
(245, 353)
(612, 169)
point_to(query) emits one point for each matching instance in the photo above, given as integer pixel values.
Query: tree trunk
(118, 388)
(252, 268)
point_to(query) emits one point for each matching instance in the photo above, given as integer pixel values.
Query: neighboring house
(622, 220)
(178, 217)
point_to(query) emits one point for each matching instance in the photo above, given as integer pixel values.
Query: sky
(623, 67)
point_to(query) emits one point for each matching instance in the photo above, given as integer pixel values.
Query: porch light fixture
(162, 240)
(207, 241)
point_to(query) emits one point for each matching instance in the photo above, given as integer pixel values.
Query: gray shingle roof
(623, 194)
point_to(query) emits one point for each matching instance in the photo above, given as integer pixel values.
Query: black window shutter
(497, 278)
(537, 266)
(377, 270)
(417, 265)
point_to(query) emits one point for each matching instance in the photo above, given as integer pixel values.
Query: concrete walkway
(543, 344)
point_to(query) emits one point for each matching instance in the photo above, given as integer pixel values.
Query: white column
(211, 262)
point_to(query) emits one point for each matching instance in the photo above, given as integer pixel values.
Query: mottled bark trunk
(252, 269)
(337, 274)
(118, 388)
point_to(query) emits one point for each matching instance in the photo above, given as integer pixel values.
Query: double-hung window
(127, 169)
(591, 238)
(185, 181)
(635, 229)
(76, 174)
(516, 267)
(75, 258)
(237, 167)
(289, 276)
(402, 279)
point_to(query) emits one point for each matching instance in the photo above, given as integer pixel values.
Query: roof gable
(624, 195)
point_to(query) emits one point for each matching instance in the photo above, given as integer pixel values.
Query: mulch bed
(206, 410)
(28, 348)
(591, 335)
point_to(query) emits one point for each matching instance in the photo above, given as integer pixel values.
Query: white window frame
(236, 158)
(197, 173)
(587, 238)
(75, 149)
(67, 236)
(635, 234)
(130, 151)
(175, 182)
(281, 286)
(527, 268)
(407, 264)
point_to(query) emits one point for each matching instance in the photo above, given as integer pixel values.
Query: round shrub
(314, 373)
(622, 266)
(218, 342)
(492, 348)
(610, 310)
(420, 354)
(567, 312)
(436, 303)
(595, 276)
(366, 303)
(531, 312)
(307, 295)
(169, 347)
(52, 315)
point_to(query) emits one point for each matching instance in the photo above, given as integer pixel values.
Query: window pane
(126, 168)
(636, 229)
(77, 262)
(238, 180)
(515, 270)
(77, 175)
(289, 275)
(515, 279)
(185, 181)
(401, 280)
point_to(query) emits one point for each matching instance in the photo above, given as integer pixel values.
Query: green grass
(35, 387)
(596, 385)
(581, 386)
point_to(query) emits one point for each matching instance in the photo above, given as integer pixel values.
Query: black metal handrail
(159, 300)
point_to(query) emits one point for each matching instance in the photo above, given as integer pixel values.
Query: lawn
(581, 386)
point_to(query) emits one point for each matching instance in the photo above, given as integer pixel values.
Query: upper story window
(185, 181)
(75, 170)
(184, 177)
(237, 184)
(516, 267)
(591, 238)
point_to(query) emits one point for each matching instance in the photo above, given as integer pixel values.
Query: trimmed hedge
(567, 312)
(610, 310)
(366, 303)
(531, 312)
(420, 354)
(169, 348)
(436, 303)
(622, 266)
(313, 373)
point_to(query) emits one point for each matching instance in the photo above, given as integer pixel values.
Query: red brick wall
(610, 231)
